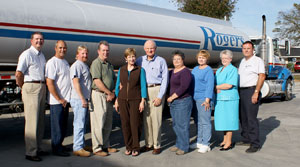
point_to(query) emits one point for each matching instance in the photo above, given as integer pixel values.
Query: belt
(40, 82)
(152, 85)
(97, 90)
(249, 87)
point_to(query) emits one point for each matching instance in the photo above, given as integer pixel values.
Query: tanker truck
(122, 24)
(279, 79)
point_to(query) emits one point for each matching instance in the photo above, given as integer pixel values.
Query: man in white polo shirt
(252, 76)
(30, 76)
(59, 86)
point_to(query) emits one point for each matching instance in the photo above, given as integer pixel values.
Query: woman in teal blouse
(131, 92)
(227, 100)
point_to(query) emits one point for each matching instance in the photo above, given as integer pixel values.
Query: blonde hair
(81, 47)
(129, 51)
(203, 53)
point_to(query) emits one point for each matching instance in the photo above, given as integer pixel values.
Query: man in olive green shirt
(102, 101)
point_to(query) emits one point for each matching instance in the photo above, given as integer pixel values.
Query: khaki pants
(152, 119)
(34, 96)
(101, 121)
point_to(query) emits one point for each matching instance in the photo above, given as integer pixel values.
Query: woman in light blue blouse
(227, 100)
(130, 101)
(203, 81)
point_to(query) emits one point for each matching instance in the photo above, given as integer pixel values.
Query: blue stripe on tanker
(91, 38)
(113, 40)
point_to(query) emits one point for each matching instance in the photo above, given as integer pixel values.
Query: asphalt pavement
(279, 135)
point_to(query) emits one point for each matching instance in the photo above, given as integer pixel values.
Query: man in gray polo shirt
(102, 101)
(80, 95)
(30, 77)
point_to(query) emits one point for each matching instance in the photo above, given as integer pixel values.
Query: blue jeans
(80, 115)
(181, 112)
(204, 124)
(59, 124)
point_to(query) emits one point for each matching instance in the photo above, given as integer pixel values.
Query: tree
(288, 25)
(211, 8)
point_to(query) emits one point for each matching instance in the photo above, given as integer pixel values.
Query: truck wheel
(288, 93)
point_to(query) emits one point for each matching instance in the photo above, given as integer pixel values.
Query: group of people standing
(138, 94)
(235, 94)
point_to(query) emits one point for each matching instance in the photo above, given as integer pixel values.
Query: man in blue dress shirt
(157, 81)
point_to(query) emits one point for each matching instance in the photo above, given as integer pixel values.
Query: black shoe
(61, 153)
(228, 148)
(66, 149)
(42, 153)
(252, 149)
(146, 149)
(241, 143)
(33, 158)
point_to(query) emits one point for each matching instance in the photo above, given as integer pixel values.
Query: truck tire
(288, 93)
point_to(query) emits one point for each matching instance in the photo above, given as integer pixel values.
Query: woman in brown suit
(131, 92)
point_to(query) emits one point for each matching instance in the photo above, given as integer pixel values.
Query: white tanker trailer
(122, 24)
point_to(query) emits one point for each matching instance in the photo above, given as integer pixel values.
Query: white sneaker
(195, 145)
(204, 149)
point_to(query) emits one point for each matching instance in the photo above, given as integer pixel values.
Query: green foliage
(211, 8)
(290, 66)
(288, 25)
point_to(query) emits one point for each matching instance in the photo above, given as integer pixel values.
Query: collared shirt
(103, 71)
(81, 71)
(59, 71)
(249, 70)
(32, 65)
(156, 72)
(230, 76)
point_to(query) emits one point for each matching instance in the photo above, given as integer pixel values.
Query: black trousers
(248, 117)
(131, 119)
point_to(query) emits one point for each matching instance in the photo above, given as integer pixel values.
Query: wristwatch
(256, 91)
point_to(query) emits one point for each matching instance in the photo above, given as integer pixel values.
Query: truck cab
(279, 80)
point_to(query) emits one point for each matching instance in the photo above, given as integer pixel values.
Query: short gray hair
(152, 41)
(226, 52)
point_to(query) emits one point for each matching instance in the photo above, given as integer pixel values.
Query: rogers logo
(221, 41)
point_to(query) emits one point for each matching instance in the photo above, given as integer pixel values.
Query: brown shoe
(174, 149)
(180, 152)
(146, 149)
(101, 153)
(88, 148)
(112, 150)
(156, 151)
(82, 153)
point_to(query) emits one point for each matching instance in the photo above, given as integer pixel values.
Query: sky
(248, 13)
